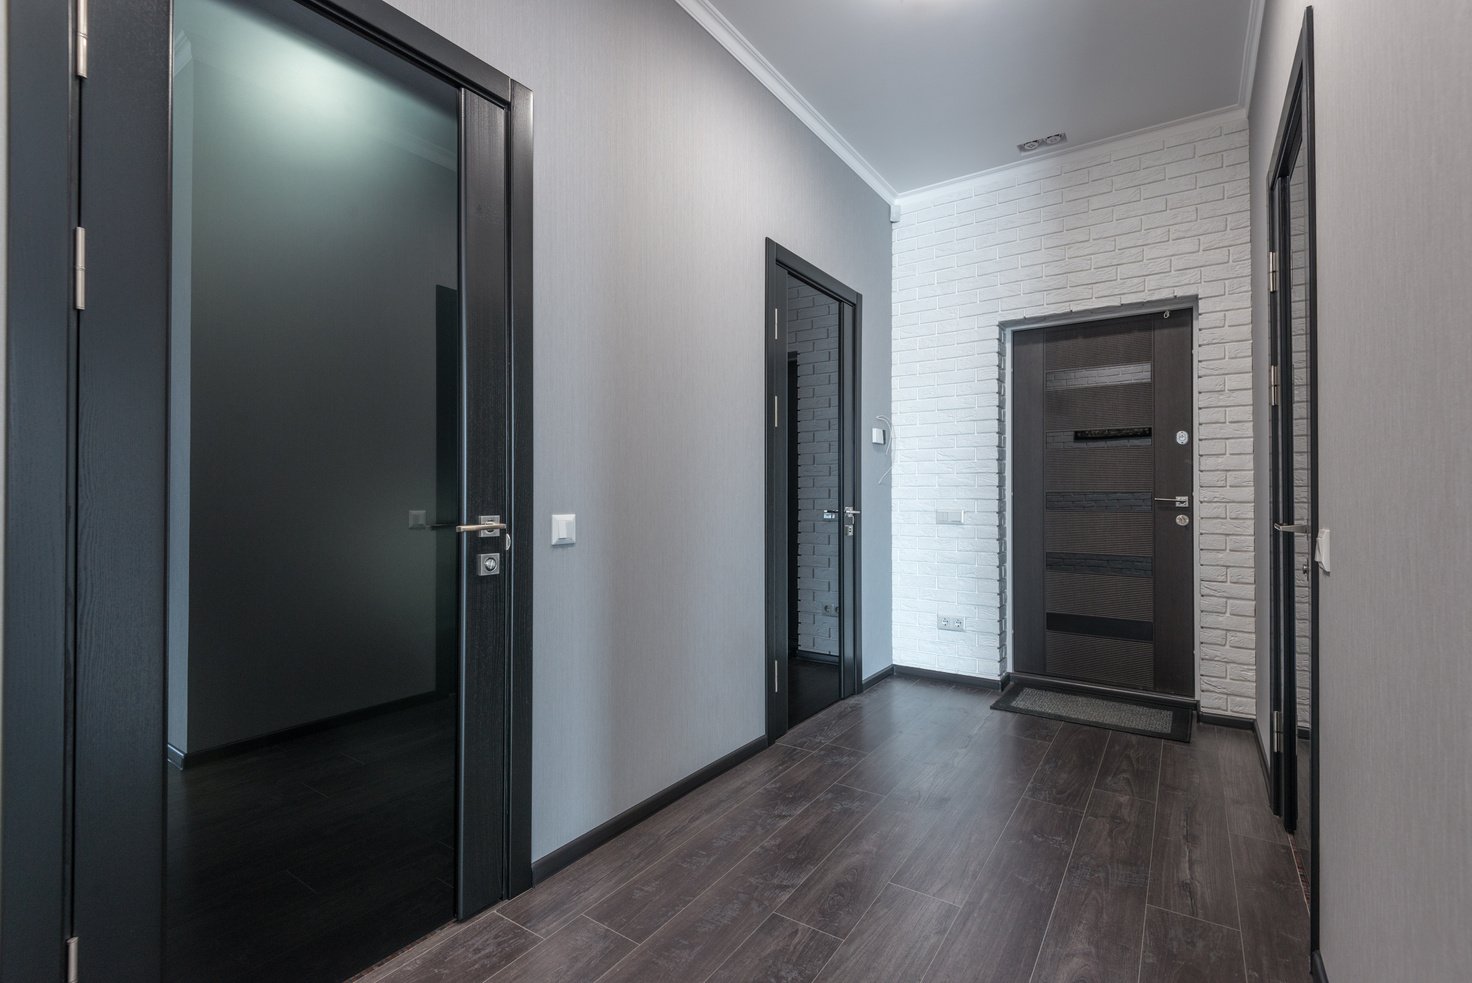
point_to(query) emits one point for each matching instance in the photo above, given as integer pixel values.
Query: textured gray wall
(661, 166)
(1394, 236)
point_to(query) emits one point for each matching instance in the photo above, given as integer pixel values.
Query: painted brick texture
(1161, 216)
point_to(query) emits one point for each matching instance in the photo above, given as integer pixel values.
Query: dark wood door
(432, 423)
(1103, 503)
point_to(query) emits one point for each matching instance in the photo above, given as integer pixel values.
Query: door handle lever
(489, 525)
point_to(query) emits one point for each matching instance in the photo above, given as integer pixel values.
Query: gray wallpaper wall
(1394, 207)
(661, 166)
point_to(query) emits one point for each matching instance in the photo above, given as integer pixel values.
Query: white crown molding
(1249, 54)
(718, 27)
(919, 196)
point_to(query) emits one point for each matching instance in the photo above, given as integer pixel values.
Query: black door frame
(45, 508)
(776, 410)
(1191, 305)
(1295, 137)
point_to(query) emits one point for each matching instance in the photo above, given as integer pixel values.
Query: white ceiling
(919, 92)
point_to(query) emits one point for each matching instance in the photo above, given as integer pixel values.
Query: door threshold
(1102, 689)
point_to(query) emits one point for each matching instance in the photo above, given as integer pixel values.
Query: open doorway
(813, 511)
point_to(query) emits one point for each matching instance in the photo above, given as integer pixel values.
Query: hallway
(910, 833)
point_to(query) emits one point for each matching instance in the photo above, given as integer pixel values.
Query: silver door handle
(486, 527)
(1179, 501)
(1297, 528)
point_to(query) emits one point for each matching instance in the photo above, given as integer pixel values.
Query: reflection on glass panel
(1302, 478)
(814, 319)
(312, 600)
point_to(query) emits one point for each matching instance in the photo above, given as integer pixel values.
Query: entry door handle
(1179, 501)
(489, 525)
(1297, 528)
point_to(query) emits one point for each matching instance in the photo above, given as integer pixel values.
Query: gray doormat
(1098, 711)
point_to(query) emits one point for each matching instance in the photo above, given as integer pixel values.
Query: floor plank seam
(949, 904)
(1043, 939)
(1194, 918)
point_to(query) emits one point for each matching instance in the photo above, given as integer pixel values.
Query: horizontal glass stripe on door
(1079, 624)
(1097, 376)
(1100, 564)
(1097, 501)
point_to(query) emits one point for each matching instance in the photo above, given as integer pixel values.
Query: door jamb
(1297, 119)
(1008, 331)
(774, 655)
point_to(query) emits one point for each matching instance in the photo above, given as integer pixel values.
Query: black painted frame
(1295, 136)
(782, 263)
(65, 563)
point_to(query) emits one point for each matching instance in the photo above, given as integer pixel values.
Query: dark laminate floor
(314, 856)
(910, 834)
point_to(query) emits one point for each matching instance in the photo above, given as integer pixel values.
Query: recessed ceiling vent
(1038, 144)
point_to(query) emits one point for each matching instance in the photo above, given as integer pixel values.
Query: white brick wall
(1152, 217)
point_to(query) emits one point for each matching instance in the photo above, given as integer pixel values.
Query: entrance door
(813, 512)
(1102, 503)
(296, 750)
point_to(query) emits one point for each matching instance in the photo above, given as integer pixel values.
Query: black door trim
(1295, 135)
(37, 869)
(781, 263)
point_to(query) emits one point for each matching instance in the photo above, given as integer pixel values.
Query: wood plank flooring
(913, 834)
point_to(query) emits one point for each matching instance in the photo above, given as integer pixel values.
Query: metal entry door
(1103, 508)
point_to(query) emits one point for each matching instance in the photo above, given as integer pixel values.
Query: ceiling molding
(716, 24)
(1249, 54)
(920, 196)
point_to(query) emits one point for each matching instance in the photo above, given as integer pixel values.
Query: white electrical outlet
(947, 623)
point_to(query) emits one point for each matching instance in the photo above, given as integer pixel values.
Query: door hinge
(1273, 272)
(81, 39)
(1277, 730)
(72, 944)
(79, 268)
(1272, 385)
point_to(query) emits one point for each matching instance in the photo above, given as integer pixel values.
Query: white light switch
(564, 530)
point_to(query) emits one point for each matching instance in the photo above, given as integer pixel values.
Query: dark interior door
(1103, 516)
(814, 514)
(295, 448)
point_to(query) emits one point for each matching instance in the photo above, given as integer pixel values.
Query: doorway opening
(813, 511)
(1102, 465)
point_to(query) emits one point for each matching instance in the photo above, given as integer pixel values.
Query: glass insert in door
(1300, 438)
(814, 322)
(313, 572)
